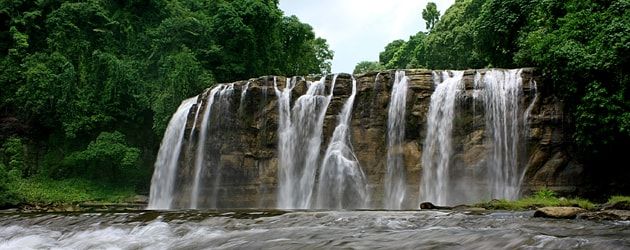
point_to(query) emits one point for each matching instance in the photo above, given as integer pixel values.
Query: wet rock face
(242, 157)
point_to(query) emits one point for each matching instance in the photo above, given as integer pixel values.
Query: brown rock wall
(246, 137)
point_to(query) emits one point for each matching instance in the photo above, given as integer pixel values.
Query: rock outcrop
(559, 212)
(248, 135)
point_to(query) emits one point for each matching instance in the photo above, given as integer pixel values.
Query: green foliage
(450, 45)
(618, 198)
(323, 55)
(544, 194)
(7, 196)
(182, 76)
(367, 66)
(13, 153)
(534, 202)
(308, 54)
(108, 158)
(582, 49)
(72, 190)
(498, 28)
(431, 15)
(598, 117)
(386, 56)
(4, 176)
(408, 54)
(74, 70)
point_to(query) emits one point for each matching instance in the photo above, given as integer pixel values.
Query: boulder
(559, 212)
(141, 199)
(429, 205)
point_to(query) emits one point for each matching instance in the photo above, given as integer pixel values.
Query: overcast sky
(357, 30)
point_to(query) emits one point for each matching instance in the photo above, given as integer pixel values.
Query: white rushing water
(500, 92)
(395, 184)
(438, 149)
(163, 180)
(307, 230)
(299, 141)
(220, 91)
(342, 183)
(335, 180)
(201, 145)
(242, 100)
(533, 87)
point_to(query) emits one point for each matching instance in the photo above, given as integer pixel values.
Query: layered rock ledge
(248, 136)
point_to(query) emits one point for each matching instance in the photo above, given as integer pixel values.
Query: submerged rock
(620, 205)
(606, 215)
(559, 212)
(429, 205)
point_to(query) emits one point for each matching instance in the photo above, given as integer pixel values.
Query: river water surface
(306, 230)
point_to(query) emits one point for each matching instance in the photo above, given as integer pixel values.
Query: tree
(431, 15)
(8, 197)
(367, 66)
(73, 71)
(580, 48)
(408, 55)
(108, 158)
(391, 48)
(323, 55)
(306, 53)
(498, 29)
(450, 45)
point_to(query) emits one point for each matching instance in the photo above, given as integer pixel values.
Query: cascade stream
(395, 186)
(387, 140)
(438, 149)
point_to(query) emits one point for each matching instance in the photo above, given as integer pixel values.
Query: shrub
(545, 194)
(13, 151)
(108, 158)
(7, 196)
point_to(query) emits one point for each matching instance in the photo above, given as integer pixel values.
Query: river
(272, 229)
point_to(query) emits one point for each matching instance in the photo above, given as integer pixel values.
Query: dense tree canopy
(82, 81)
(582, 49)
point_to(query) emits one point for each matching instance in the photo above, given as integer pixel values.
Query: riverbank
(535, 202)
(47, 195)
(546, 204)
(79, 195)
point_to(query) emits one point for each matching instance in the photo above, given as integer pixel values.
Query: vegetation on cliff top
(87, 87)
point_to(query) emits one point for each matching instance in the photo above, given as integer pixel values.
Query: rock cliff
(243, 142)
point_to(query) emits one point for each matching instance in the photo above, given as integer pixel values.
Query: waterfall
(299, 141)
(437, 149)
(395, 184)
(500, 93)
(213, 154)
(242, 100)
(163, 180)
(195, 120)
(342, 183)
(533, 87)
(200, 154)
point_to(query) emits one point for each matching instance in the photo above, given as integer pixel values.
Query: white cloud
(357, 30)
